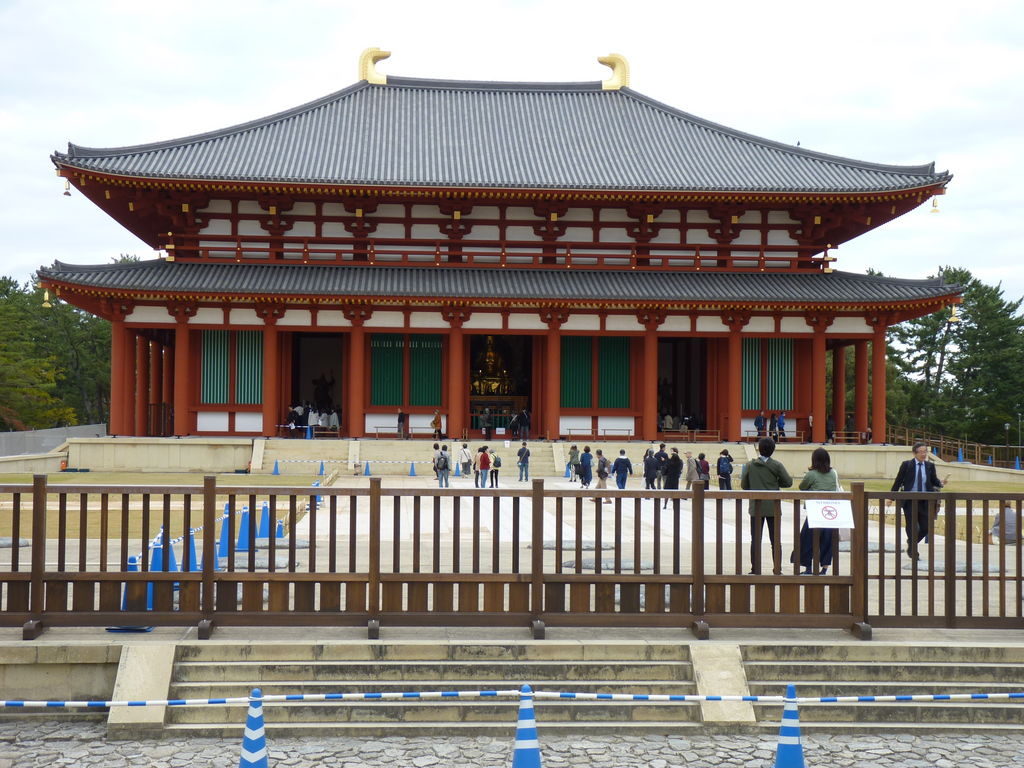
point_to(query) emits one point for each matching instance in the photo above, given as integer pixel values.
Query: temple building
(576, 250)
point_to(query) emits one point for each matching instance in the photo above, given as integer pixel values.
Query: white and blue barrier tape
(559, 695)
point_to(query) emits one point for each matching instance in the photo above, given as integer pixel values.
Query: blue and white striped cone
(412, 469)
(366, 469)
(790, 753)
(254, 742)
(526, 753)
(277, 469)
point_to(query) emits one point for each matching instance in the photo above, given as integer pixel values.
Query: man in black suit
(917, 475)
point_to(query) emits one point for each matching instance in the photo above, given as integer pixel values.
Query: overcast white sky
(892, 82)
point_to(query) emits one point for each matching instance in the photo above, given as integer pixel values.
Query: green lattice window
(425, 369)
(751, 374)
(613, 372)
(387, 372)
(249, 367)
(577, 370)
(780, 374)
(215, 373)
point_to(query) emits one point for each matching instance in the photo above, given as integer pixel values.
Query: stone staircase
(205, 670)
(882, 670)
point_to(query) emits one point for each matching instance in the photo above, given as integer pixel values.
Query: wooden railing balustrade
(526, 556)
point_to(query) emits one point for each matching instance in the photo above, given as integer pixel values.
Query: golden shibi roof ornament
(620, 71)
(367, 66)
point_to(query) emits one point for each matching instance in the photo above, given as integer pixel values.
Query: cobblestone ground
(24, 744)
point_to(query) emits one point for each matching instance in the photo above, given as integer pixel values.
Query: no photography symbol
(829, 512)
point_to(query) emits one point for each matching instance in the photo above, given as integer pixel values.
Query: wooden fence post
(949, 575)
(34, 626)
(537, 560)
(859, 563)
(209, 556)
(700, 627)
(373, 576)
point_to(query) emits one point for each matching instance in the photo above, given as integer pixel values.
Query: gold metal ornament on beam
(954, 317)
(935, 205)
(67, 188)
(46, 300)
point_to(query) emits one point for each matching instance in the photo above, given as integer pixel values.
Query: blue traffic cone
(960, 454)
(321, 472)
(133, 567)
(254, 742)
(412, 469)
(189, 561)
(458, 469)
(568, 471)
(366, 468)
(157, 562)
(264, 529)
(280, 530)
(526, 753)
(990, 460)
(790, 753)
(319, 499)
(242, 544)
(225, 533)
(277, 469)
(1016, 464)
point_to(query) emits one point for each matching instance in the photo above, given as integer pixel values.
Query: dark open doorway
(682, 382)
(317, 370)
(500, 378)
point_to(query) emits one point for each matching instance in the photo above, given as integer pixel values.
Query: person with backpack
(524, 463)
(724, 470)
(495, 466)
(574, 463)
(442, 466)
(764, 474)
(603, 469)
(437, 452)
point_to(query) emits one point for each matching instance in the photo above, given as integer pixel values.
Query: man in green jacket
(764, 474)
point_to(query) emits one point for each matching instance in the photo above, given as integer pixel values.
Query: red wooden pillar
(839, 387)
(553, 382)
(818, 385)
(860, 394)
(141, 384)
(457, 383)
(355, 418)
(878, 384)
(118, 362)
(734, 401)
(128, 376)
(271, 377)
(649, 386)
(182, 391)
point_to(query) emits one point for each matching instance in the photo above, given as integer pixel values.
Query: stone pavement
(24, 744)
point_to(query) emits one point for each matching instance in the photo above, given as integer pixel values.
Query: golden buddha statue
(490, 377)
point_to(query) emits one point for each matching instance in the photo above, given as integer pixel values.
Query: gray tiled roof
(574, 136)
(285, 280)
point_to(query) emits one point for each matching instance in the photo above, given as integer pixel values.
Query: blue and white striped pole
(254, 742)
(526, 753)
(790, 753)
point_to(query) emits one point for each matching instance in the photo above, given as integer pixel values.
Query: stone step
(429, 728)
(364, 651)
(517, 672)
(207, 690)
(797, 671)
(438, 712)
(874, 688)
(948, 714)
(870, 652)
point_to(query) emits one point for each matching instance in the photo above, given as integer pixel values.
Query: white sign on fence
(829, 513)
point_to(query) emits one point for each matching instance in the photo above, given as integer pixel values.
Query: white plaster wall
(622, 323)
(779, 237)
(303, 209)
(217, 206)
(794, 325)
(760, 325)
(522, 233)
(577, 214)
(149, 315)
(780, 217)
(331, 318)
(388, 421)
(334, 229)
(483, 212)
(212, 421)
(248, 421)
(849, 325)
(217, 227)
(676, 323)
(207, 316)
(395, 230)
(521, 322)
(616, 423)
(244, 317)
(249, 227)
(302, 229)
(708, 324)
(393, 211)
(386, 320)
(426, 320)
(582, 323)
(615, 215)
(578, 423)
(294, 317)
(484, 321)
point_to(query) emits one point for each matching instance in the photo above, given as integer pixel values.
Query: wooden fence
(528, 556)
